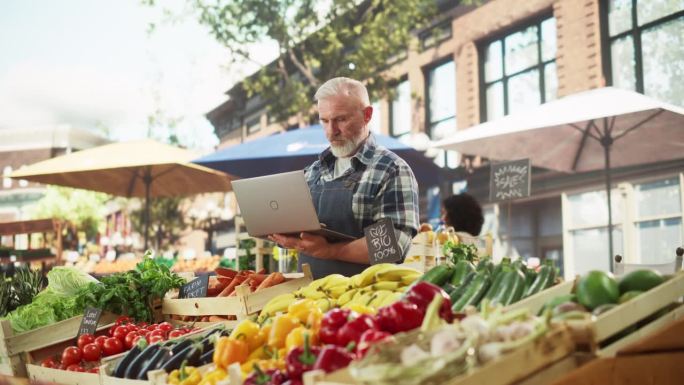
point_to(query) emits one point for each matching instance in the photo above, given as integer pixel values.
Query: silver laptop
(280, 204)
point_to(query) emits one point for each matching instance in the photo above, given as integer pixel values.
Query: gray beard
(347, 149)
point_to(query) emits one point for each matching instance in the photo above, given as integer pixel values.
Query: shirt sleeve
(398, 200)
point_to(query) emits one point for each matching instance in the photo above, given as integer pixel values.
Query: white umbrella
(577, 133)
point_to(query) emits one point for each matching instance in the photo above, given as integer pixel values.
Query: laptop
(280, 204)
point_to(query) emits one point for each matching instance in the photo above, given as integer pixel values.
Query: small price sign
(197, 288)
(510, 180)
(89, 322)
(382, 242)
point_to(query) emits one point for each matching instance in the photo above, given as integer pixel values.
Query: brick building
(476, 64)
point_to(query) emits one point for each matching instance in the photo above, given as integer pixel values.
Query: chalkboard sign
(382, 242)
(197, 288)
(510, 180)
(89, 321)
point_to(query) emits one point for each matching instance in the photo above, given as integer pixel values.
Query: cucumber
(438, 275)
(462, 268)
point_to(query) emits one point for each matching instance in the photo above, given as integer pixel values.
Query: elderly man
(354, 183)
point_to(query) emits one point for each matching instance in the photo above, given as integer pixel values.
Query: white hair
(343, 86)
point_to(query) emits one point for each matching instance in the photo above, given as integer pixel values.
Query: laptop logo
(274, 205)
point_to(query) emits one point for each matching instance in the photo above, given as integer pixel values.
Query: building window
(435, 35)
(253, 125)
(520, 70)
(375, 123)
(441, 108)
(647, 219)
(6, 180)
(401, 110)
(646, 47)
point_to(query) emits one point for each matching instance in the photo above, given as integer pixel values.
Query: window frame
(426, 75)
(635, 32)
(536, 20)
(391, 108)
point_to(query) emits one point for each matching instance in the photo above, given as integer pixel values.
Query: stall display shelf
(592, 333)
(13, 346)
(534, 303)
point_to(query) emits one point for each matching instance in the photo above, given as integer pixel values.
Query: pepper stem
(307, 358)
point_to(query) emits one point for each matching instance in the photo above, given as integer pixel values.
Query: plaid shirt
(387, 189)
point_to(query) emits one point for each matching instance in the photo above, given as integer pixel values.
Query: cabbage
(64, 280)
(47, 308)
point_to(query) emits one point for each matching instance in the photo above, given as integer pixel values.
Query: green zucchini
(461, 289)
(496, 284)
(462, 268)
(476, 290)
(544, 279)
(515, 288)
(438, 275)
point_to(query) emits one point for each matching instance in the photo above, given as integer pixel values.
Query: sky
(94, 64)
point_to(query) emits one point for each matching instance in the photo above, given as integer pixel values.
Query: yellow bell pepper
(361, 309)
(228, 351)
(301, 308)
(194, 379)
(296, 338)
(249, 331)
(211, 378)
(282, 326)
(175, 375)
(313, 321)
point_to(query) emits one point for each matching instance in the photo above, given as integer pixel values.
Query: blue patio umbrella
(296, 149)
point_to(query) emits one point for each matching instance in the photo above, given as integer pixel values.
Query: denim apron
(333, 202)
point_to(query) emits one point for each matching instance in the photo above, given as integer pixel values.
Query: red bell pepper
(269, 377)
(422, 294)
(332, 322)
(301, 359)
(368, 339)
(400, 316)
(351, 331)
(333, 357)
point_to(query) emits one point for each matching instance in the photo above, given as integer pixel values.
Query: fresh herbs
(20, 289)
(132, 292)
(460, 251)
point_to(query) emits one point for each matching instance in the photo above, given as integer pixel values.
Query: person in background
(354, 183)
(463, 213)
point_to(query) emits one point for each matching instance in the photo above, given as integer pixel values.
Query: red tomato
(91, 352)
(120, 332)
(143, 325)
(71, 355)
(136, 339)
(84, 339)
(49, 363)
(154, 339)
(152, 327)
(100, 340)
(133, 328)
(175, 333)
(145, 334)
(157, 332)
(75, 368)
(165, 326)
(113, 346)
(110, 331)
(94, 370)
(129, 339)
(123, 320)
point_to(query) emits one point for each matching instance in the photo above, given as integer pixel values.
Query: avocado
(597, 288)
(641, 280)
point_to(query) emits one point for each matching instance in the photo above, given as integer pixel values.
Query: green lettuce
(67, 281)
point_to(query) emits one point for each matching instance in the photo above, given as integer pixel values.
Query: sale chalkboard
(382, 242)
(197, 288)
(510, 180)
(89, 322)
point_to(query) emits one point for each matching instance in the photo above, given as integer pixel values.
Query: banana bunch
(375, 287)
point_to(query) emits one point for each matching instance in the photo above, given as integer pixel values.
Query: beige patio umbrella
(143, 168)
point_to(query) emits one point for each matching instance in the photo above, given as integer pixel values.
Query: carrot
(272, 280)
(224, 280)
(204, 319)
(224, 272)
(259, 277)
(215, 287)
(217, 318)
(231, 287)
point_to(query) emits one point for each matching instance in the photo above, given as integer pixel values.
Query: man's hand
(306, 243)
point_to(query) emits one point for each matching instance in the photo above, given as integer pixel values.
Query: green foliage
(166, 221)
(316, 41)
(84, 209)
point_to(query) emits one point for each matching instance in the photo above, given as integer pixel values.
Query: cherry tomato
(128, 341)
(143, 325)
(75, 368)
(49, 363)
(120, 332)
(152, 327)
(175, 333)
(91, 352)
(158, 332)
(154, 339)
(71, 355)
(123, 320)
(100, 340)
(94, 370)
(85, 339)
(113, 346)
(165, 326)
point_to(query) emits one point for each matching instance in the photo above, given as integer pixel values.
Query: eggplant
(208, 340)
(191, 354)
(139, 361)
(125, 362)
(181, 345)
(162, 355)
(207, 357)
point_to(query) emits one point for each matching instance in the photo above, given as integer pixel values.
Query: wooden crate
(535, 302)
(13, 346)
(241, 305)
(511, 367)
(592, 333)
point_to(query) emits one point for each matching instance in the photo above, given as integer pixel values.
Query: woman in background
(463, 213)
